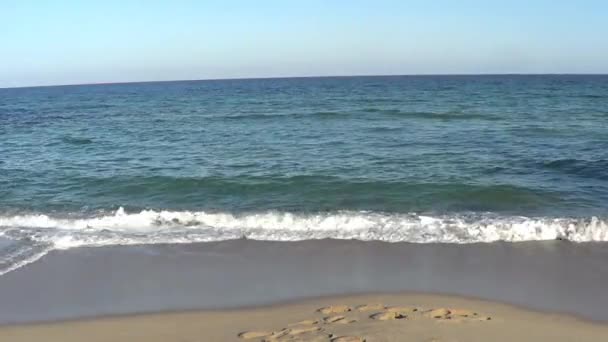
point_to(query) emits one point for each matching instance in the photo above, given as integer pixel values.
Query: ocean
(423, 159)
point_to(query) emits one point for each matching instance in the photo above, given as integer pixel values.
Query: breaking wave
(36, 234)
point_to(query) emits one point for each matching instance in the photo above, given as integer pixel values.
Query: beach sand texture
(399, 317)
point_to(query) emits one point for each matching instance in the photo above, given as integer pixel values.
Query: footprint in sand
(335, 309)
(309, 330)
(455, 314)
(402, 309)
(387, 316)
(310, 338)
(437, 313)
(402, 312)
(305, 322)
(247, 335)
(275, 336)
(469, 314)
(295, 335)
(333, 319)
(348, 339)
(371, 307)
(303, 330)
(338, 320)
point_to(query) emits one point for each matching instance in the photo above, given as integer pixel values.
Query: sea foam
(37, 234)
(150, 226)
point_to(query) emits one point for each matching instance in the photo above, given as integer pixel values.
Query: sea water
(451, 159)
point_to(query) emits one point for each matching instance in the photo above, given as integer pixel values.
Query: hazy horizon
(311, 76)
(134, 41)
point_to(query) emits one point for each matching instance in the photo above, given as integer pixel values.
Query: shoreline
(552, 277)
(470, 319)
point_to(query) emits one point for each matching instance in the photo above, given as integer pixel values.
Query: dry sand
(400, 317)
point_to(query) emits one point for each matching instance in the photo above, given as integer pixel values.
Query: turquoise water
(421, 159)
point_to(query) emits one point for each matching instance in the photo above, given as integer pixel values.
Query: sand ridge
(354, 318)
(323, 328)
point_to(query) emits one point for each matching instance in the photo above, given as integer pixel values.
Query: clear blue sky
(86, 41)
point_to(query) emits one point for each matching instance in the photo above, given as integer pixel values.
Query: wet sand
(552, 276)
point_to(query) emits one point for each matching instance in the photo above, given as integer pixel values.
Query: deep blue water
(415, 158)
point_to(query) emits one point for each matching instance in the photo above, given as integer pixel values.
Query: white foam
(12, 265)
(151, 227)
(169, 226)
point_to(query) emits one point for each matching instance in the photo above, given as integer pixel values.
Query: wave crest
(272, 225)
(37, 234)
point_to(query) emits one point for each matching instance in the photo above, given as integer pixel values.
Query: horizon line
(298, 77)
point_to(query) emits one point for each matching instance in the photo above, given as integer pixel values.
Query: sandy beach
(399, 317)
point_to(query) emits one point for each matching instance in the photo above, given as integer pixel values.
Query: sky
(73, 42)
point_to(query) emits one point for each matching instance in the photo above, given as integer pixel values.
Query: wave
(40, 233)
(76, 140)
(299, 192)
(597, 169)
(297, 115)
(377, 112)
(591, 96)
(441, 116)
(22, 254)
